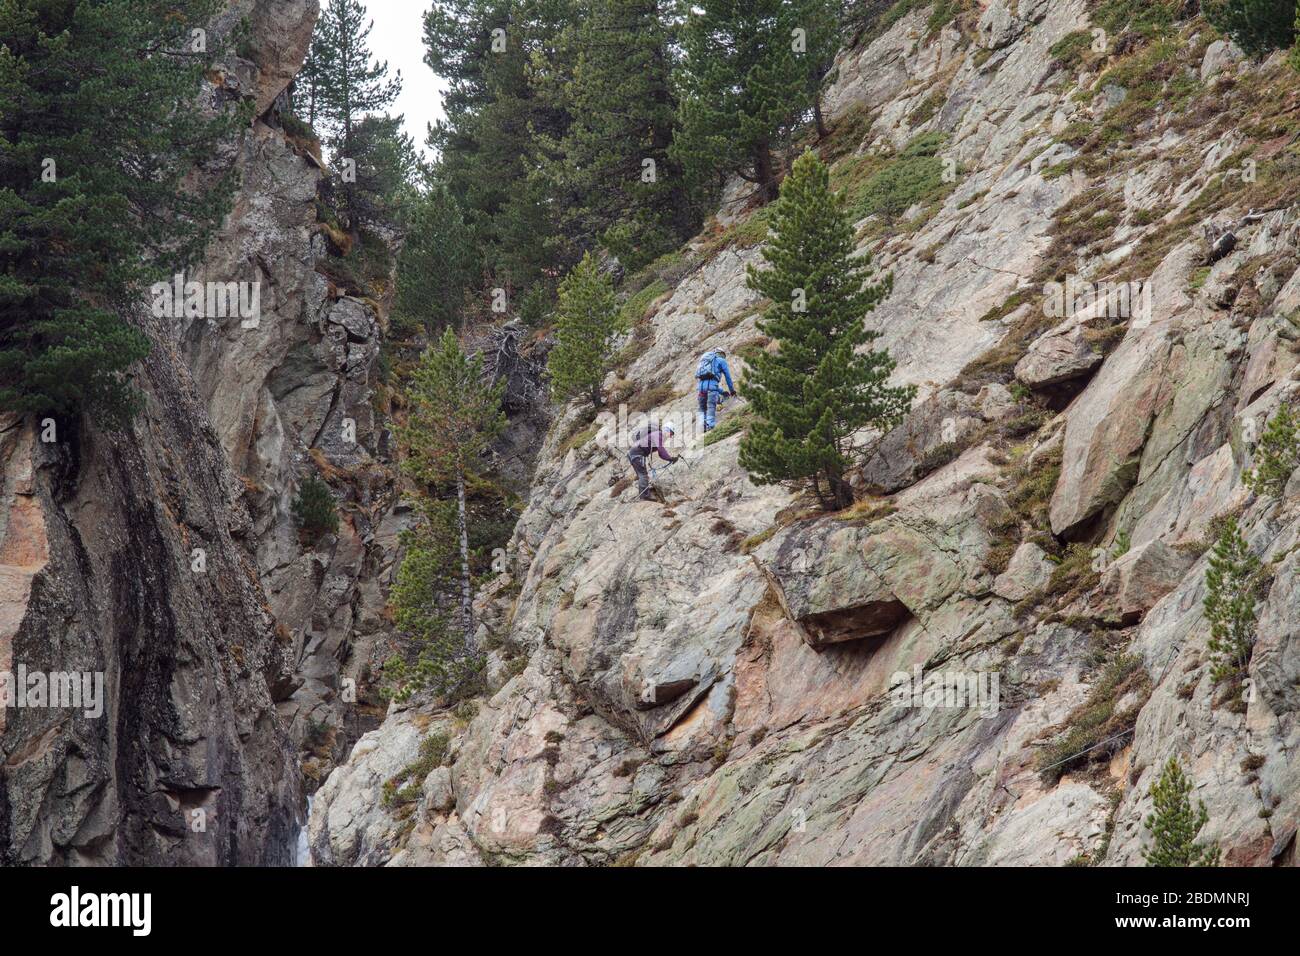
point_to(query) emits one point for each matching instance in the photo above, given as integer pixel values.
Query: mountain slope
(707, 681)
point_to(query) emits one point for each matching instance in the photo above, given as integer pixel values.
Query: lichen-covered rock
(135, 555)
(998, 26)
(1063, 354)
(353, 825)
(127, 556)
(1142, 576)
(1108, 427)
(1027, 571)
(941, 422)
(1219, 56)
(276, 36)
(291, 395)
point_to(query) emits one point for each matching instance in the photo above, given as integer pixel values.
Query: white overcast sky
(398, 37)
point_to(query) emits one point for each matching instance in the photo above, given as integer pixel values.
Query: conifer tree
(499, 57)
(352, 83)
(823, 384)
(822, 24)
(1258, 26)
(454, 417)
(1277, 454)
(435, 267)
(349, 82)
(459, 41)
(314, 510)
(100, 125)
(1174, 824)
(425, 609)
(305, 89)
(587, 320)
(620, 187)
(744, 88)
(387, 172)
(1232, 584)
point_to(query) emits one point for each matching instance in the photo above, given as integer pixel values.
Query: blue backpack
(707, 370)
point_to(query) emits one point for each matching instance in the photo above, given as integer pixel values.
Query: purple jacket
(647, 444)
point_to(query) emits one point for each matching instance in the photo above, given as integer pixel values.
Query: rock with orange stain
(24, 548)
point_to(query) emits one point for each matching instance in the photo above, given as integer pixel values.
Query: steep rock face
(294, 394)
(143, 556)
(725, 678)
(279, 32)
(188, 762)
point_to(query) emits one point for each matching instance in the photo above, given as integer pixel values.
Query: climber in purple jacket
(647, 441)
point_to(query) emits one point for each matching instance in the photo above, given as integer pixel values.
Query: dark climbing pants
(638, 461)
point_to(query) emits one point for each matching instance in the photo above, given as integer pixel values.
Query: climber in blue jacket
(710, 373)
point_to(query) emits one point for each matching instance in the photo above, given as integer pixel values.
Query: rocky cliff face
(228, 676)
(296, 395)
(98, 534)
(708, 680)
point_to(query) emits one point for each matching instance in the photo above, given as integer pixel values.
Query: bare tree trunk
(841, 491)
(763, 172)
(466, 597)
(823, 500)
(822, 131)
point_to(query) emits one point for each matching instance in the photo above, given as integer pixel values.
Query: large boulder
(1106, 429)
(945, 420)
(1142, 576)
(1059, 356)
(1110, 421)
(846, 582)
(1027, 571)
(1219, 56)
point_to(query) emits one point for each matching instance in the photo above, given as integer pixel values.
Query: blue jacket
(721, 370)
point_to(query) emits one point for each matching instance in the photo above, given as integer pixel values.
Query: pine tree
(100, 124)
(498, 57)
(349, 83)
(435, 268)
(314, 510)
(744, 89)
(821, 387)
(587, 320)
(1174, 825)
(424, 608)
(612, 169)
(1277, 455)
(1232, 584)
(1258, 26)
(822, 23)
(304, 91)
(459, 42)
(387, 171)
(454, 417)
